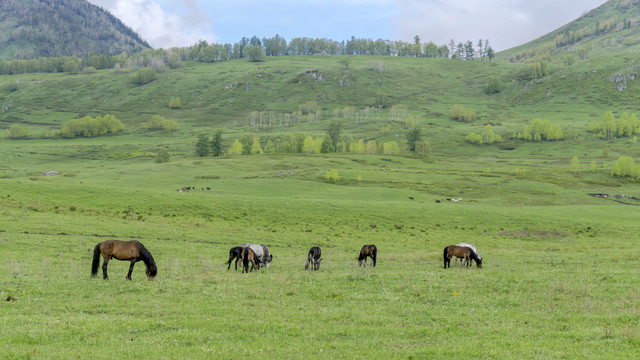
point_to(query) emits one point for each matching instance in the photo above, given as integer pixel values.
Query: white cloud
(506, 23)
(179, 23)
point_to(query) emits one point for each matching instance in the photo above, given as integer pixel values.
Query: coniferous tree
(202, 145)
(414, 137)
(216, 145)
(333, 134)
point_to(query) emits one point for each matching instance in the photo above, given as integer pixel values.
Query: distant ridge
(612, 19)
(47, 28)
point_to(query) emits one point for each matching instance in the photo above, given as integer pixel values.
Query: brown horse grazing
(123, 250)
(367, 251)
(247, 255)
(462, 252)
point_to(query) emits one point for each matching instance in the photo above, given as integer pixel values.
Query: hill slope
(43, 28)
(614, 23)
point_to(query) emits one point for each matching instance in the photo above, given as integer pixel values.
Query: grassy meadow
(560, 276)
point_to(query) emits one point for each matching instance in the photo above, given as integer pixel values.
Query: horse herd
(256, 255)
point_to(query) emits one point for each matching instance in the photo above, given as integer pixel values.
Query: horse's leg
(133, 262)
(104, 268)
(237, 258)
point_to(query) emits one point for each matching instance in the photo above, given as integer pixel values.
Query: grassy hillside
(223, 95)
(606, 31)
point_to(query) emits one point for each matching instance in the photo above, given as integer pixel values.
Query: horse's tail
(148, 260)
(96, 260)
(231, 257)
(445, 256)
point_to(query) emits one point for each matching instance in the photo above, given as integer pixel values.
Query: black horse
(234, 253)
(368, 251)
(133, 251)
(313, 258)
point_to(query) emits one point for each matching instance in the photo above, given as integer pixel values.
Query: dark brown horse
(247, 255)
(133, 251)
(234, 253)
(461, 252)
(367, 251)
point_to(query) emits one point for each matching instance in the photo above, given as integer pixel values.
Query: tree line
(253, 48)
(626, 126)
(570, 37)
(296, 143)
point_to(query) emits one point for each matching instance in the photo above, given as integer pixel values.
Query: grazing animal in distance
(262, 253)
(314, 258)
(133, 251)
(367, 251)
(460, 252)
(472, 247)
(234, 253)
(247, 255)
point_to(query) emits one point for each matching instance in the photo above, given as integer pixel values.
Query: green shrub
(493, 87)
(460, 113)
(540, 130)
(625, 167)
(144, 76)
(175, 103)
(17, 132)
(487, 136)
(157, 122)
(332, 176)
(91, 127)
(162, 156)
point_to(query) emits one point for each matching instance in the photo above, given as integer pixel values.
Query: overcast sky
(506, 23)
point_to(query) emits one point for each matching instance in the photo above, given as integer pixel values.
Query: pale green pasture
(558, 280)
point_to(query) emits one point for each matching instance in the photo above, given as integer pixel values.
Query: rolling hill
(44, 28)
(609, 28)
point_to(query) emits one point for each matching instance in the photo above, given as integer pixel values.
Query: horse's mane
(148, 260)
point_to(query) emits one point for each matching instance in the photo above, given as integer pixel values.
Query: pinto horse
(460, 252)
(247, 255)
(234, 253)
(314, 258)
(472, 247)
(367, 251)
(262, 254)
(133, 251)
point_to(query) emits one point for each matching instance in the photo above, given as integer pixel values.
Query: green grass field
(560, 273)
